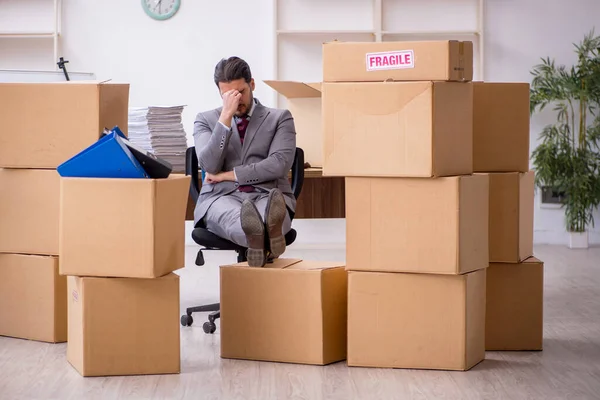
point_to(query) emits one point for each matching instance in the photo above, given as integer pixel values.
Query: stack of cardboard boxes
(397, 123)
(42, 125)
(437, 185)
(88, 260)
(120, 241)
(515, 279)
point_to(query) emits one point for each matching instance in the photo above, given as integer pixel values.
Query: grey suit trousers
(223, 216)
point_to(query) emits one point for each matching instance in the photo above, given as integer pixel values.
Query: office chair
(210, 241)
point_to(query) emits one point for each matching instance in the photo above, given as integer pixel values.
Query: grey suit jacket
(263, 161)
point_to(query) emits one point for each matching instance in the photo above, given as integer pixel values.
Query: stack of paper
(159, 130)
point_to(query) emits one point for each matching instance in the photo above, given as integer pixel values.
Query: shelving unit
(53, 33)
(302, 26)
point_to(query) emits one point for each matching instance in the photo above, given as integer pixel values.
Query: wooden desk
(321, 197)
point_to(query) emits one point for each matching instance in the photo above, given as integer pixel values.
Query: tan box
(443, 60)
(511, 216)
(436, 226)
(45, 124)
(123, 326)
(500, 127)
(304, 102)
(33, 298)
(515, 306)
(398, 129)
(289, 311)
(29, 210)
(131, 228)
(419, 321)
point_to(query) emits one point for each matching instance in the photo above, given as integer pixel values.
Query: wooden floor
(568, 368)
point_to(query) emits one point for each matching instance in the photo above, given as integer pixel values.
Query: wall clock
(161, 9)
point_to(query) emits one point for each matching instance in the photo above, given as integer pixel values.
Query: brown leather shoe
(254, 228)
(274, 217)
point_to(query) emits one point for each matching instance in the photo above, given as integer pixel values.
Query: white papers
(158, 130)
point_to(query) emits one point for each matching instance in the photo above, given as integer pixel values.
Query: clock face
(161, 9)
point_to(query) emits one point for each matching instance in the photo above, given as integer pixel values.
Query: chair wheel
(209, 327)
(187, 320)
(200, 258)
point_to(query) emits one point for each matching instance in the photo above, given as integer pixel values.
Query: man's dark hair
(232, 69)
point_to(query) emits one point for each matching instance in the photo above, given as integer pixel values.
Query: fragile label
(390, 60)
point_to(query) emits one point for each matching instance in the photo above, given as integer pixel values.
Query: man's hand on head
(231, 102)
(220, 177)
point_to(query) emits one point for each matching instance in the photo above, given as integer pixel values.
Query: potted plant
(567, 160)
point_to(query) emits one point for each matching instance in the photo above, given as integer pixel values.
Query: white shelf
(300, 29)
(324, 32)
(51, 30)
(430, 33)
(26, 35)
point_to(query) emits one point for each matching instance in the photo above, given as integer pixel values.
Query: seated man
(246, 151)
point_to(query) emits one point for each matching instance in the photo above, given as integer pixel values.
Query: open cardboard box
(304, 102)
(289, 311)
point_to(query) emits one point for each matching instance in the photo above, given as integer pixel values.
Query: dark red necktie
(242, 124)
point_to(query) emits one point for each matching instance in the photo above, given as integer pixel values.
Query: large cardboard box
(515, 306)
(421, 321)
(45, 124)
(33, 298)
(289, 311)
(500, 127)
(123, 326)
(511, 216)
(443, 60)
(122, 227)
(29, 211)
(304, 102)
(399, 129)
(436, 226)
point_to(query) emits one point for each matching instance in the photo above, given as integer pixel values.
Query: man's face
(245, 90)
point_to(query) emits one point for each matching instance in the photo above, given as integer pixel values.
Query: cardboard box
(511, 216)
(33, 298)
(122, 227)
(289, 311)
(45, 124)
(29, 210)
(443, 60)
(123, 326)
(500, 127)
(515, 306)
(435, 226)
(416, 321)
(399, 129)
(304, 102)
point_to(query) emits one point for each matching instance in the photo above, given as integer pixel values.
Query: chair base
(209, 327)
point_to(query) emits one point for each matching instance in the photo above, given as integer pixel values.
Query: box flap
(532, 260)
(291, 89)
(316, 265)
(277, 263)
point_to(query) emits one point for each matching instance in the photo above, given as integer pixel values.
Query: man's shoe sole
(254, 229)
(274, 216)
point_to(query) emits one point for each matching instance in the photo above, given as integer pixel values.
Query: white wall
(168, 62)
(172, 62)
(518, 33)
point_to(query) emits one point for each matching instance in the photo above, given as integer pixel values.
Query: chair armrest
(191, 169)
(298, 172)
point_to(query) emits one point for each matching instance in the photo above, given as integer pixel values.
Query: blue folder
(109, 157)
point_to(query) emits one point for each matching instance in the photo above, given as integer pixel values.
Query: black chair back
(192, 170)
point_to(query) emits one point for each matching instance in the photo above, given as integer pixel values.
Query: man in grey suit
(246, 151)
